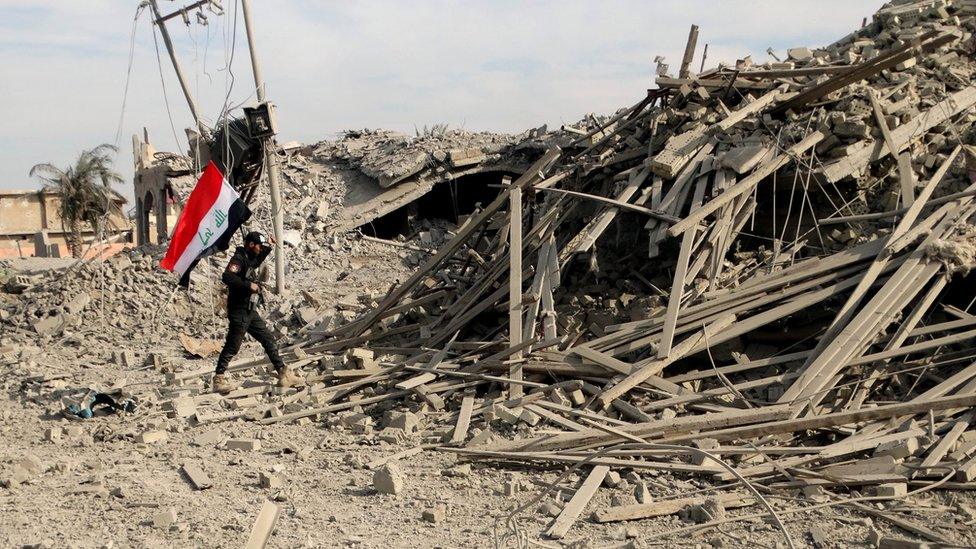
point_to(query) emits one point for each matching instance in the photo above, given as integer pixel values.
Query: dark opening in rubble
(789, 213)
(448, 201)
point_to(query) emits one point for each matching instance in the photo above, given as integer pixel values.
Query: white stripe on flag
(212, 225)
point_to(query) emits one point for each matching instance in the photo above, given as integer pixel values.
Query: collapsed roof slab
(366, 200)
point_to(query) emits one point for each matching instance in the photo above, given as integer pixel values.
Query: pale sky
(336, 65)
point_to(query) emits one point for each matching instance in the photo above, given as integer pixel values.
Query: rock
(612, 480)
(151, 437)
(405, 421)
(48, 325)
(459, 471)
(32, 465)
(550, 508)
(641, 493)
(269, 481)
(709, 511)
(292, 237)
(165, 519)
(388, 479)
(78, 304)
(53, 434)
(435, 515)
(800, 54)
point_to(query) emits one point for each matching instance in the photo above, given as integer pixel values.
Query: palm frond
(84, 190)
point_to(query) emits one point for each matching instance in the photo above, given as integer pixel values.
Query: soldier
(243, 298)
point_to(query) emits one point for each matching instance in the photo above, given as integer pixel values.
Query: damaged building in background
(30, 226)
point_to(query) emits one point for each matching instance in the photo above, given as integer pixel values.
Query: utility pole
(270, 159)
(160, 22)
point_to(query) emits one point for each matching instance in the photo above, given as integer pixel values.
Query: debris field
(744, 300)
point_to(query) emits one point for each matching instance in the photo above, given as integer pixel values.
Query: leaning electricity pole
(270, 158)
(160, 22)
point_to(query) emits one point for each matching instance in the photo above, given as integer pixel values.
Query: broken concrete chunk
(388, 479)
(246, 444)
(800, 54)
(270, 481)
(165, 519)
(151, 437)
(435, 515)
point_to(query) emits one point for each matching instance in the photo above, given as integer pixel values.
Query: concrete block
(151, 437)
(245, 444)
(270, 481)
(53, 434)
(800, 54)
(196, 476)
(435, 515)
(32, 465)
(208, 438)
(388, 479)
(165, 519)
(405, 421)
(898, 449)
(891, 490)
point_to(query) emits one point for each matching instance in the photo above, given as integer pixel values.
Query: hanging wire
(162, 80)
(128, 71)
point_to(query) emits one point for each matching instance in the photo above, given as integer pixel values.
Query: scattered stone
(272, 482)
(208, 438)
(245, 444)
(53, 434)
(435, 515)
(388, 479)
(165, 519)
(151, 437)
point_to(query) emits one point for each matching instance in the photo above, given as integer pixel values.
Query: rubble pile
(745, 297)
(755, 275)
(391, 157)
(124, 297)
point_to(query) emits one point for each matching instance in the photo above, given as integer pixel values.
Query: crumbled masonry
(746, 298)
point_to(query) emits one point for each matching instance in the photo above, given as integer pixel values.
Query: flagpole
(270, 159)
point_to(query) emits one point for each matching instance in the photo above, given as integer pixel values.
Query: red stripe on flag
(202, 198)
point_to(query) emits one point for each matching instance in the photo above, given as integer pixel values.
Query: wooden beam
(666, 507)
(660, 216)
(905, 173)
(689, 56)
(515, 288)
(464, 420)
(831, 420)
(575, 507)
(460, 239)
(746, 184)
(653, 367)
(680, 273)
(870, 151)
(263, 526)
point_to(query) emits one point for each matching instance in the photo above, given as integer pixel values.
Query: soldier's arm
(233, 276)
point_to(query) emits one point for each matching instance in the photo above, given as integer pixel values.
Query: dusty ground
(97, 487)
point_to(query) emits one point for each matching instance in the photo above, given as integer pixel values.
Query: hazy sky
(336, 65)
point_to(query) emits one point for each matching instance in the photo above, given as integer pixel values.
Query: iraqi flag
(208, 221)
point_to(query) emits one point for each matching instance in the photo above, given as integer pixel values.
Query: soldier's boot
(222, 385)
(287, 378)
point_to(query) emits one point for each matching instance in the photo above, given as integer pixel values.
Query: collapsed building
(765, 265)
(758, 276)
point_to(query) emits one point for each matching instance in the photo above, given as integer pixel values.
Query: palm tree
(84, 191)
